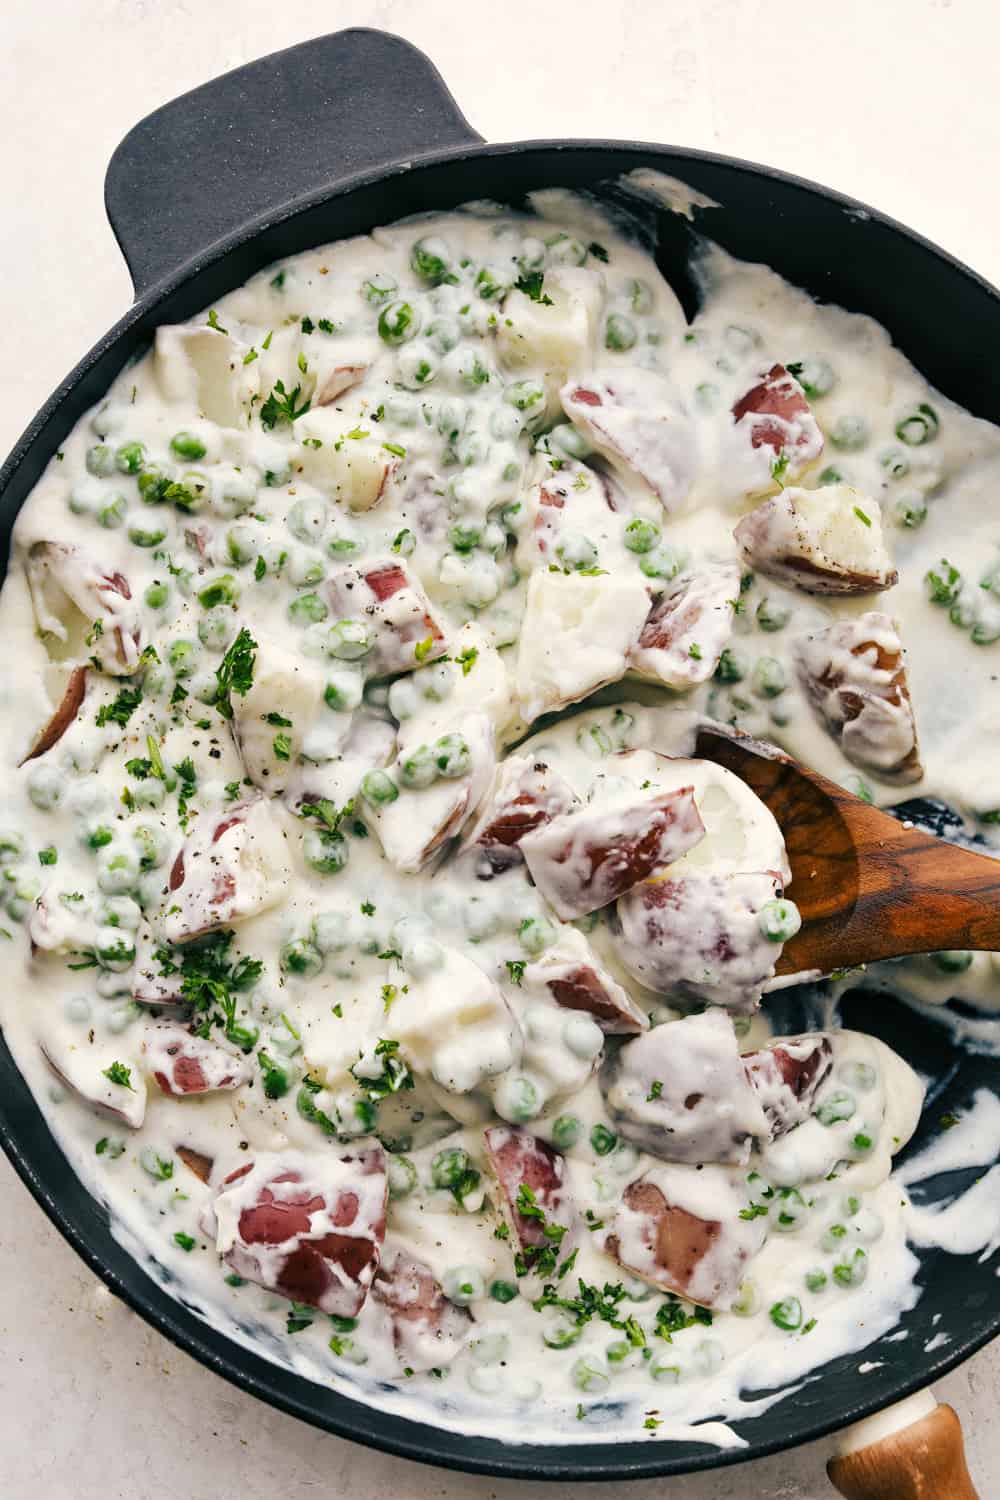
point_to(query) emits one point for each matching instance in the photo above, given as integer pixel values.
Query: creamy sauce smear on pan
(411, 1035)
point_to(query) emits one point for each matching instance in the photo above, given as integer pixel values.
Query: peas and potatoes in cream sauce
(417, 1033)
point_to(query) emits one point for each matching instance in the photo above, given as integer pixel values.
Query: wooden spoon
(867, 885)
(924, 1460)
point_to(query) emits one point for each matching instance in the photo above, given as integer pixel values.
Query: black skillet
(328, 139)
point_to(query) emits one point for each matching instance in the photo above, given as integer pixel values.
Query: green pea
(662, 562)
(130, 457)
(849, 433)
(577, 552)
(944, 583)
(517, 1099)
(602, 1139)
(325, 850)
(12, 846)
(837, 1106)
(640, 296)
(349, 640)
(590, 1374)
(216, 628)
(402, 1175)
(768, 679)
(910, 510)
(732, 666)
(564, 250)
(222, 590)
(816, 1279)
(300, 957)
(449, 1166)
(985, 632)
(117, 871)
(918, 427)
(115, 951)
(432, 259)
(464, 538)
(747, 1300)
(561, 1333)
(341, 546)
(343, 693)
(100, 461)
(787, 1314)
(183, 657)
(566, 1131)
(816, 377)
(895, 463)
(307, 609)
(831, 475)
(379, 288)
(241, 545)
(619, 333)
(378, 788)
(113, 514)
(619, 1352)
(157, 595)
(779, 920)
(853, 1270)
(188, 445)
(418, 769)
(664, 1370)
(568, 440)
(535, 934)
(491, 283)
(642, 536)
(771, 615)
(524, 395)
(398, 322)
(153, 484)
(141, 536)
(404, 543)
(503, 1291)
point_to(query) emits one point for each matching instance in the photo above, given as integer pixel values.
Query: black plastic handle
(266, 134)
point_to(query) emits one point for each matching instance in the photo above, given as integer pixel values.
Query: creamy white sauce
(523, 567)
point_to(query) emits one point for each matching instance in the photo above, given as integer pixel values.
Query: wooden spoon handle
(924, 1461)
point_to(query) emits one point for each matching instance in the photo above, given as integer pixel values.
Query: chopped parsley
(234, 674)
(118, 1073)
(861, 515)
(423, 649)
(530, 283)
(515, 969)
(467, 659)
(598, 251)
(185, 1241)
(779, 466)
(282, 747)
(47, 856)
(282, 406)
(122, 709)
(213, 322)
(655, 1090)
(394, 1078)
(591, 1302)
(673, 1316)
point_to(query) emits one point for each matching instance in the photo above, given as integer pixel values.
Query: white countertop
(894, 103)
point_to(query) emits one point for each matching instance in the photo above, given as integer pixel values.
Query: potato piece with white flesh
(688, 627)
(786, 1076)
(679, 1227)
(570, 975)
(774, 436)
(681, 1093)
(576, 637)
(197, 366)
(230, 868)
(827, 541)
(64, 714)
(533, 1196)
(306, 1225)
(573, 501)
(272, 720)
(854, 672)
(104, 1074)
(85, 609)
(633, 418)
(184, 1063)
(700, 937)
(396, 628)
(355, 472)
(426, 797)
(428, 1330)
(474, 681)
(555, 334)
(584, 860)
(525, 794)
(454, 1025)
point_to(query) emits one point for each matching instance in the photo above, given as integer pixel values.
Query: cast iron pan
(329, 139)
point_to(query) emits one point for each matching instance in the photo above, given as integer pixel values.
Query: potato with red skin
(787, 1075)
(63, 716)
(228, 869)
(196, 1162)
(415, 827)
(526, 794)
(688, 627)
(854, 672)
(519, 1159)
(341, 379)
(698, 937)
(396, 612)
(774, 425)
(83, 1074)
(184, 1063)
(72, 593)
(679, 1227)
(632, 417)
(428, 1330)
(308, 1226)
(681, 1092)
(571, 975)
(825, 541)
(583, 860)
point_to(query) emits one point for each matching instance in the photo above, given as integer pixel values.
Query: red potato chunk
(65, 714)
(827, 541)
(633, 418)
(775, 419)
(526, 794)
(679, 1228)
(196, 1162)
(306, 1226)
(688, 627)
(397, 613)
(787, 1075)
(182, 1063)
(519, 1160)
(699, 937)
(72, 593)
(681, 1093)
(584, 860)
(428, 1330)
(415, 827)
(340, 379)
(573, 496)
(571, 975)
(230, 868)
(855, 675)
(85, 1076)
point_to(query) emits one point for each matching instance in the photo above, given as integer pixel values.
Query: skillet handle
(918, 1460)
(248, 143)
